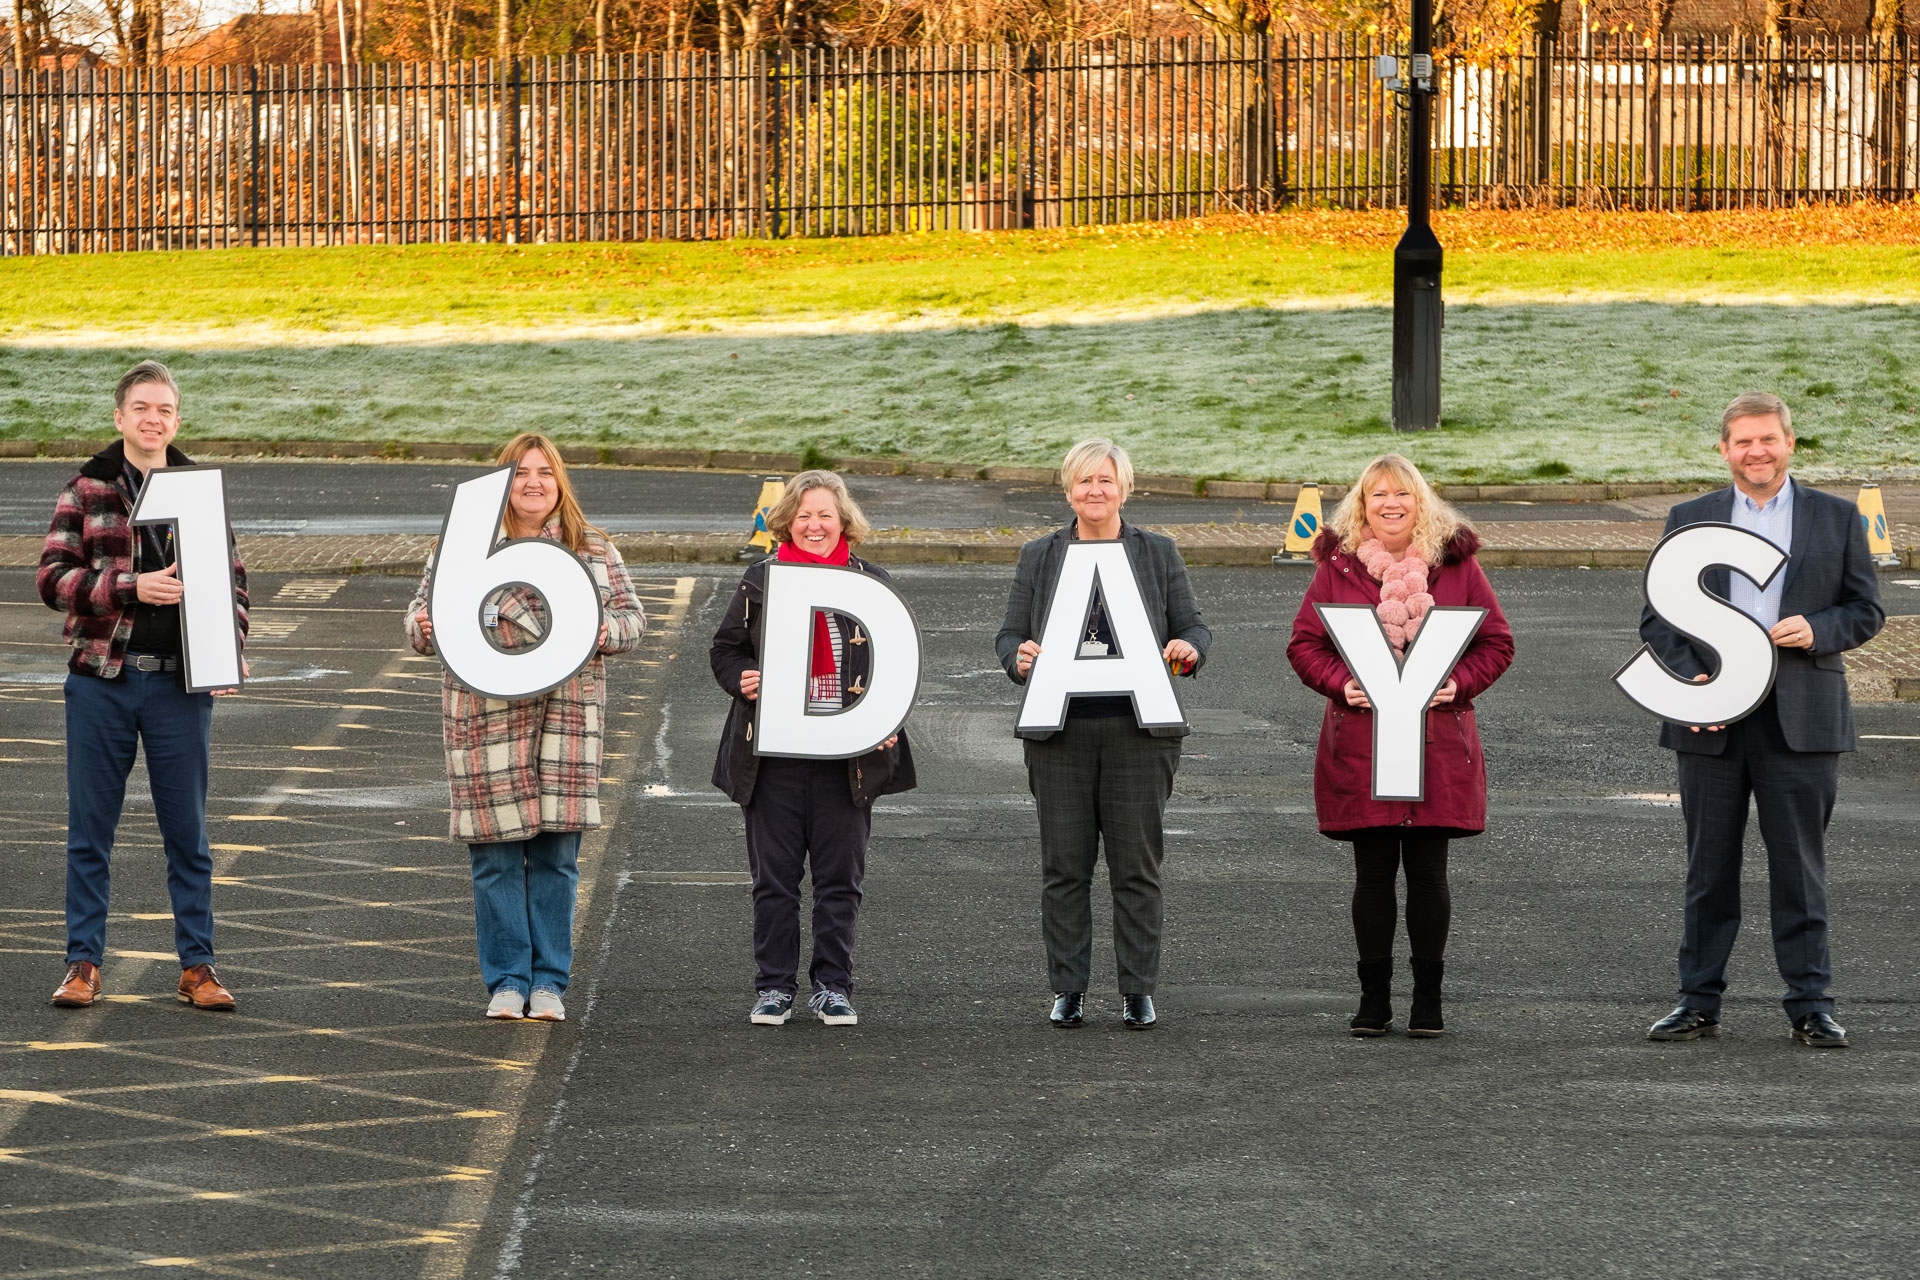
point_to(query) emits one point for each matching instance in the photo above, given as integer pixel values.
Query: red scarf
(821, 663)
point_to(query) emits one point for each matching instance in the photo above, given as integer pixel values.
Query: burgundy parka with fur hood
(1456, 771)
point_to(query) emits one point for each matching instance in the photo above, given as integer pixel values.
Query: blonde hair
(853, 522)
(1434, 519)
(1082, 460)
(574, 528)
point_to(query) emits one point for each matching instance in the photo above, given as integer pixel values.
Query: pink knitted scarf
(1404, 600)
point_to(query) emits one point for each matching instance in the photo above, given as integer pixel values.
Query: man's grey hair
(1756, 404)
(144, 372)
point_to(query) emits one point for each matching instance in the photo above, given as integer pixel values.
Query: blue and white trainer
(833, 1008)
(771, 1008)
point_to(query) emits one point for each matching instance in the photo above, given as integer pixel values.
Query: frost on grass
(1533, 392)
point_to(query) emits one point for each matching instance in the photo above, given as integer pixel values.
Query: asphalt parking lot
(357, 1116)
(319, 498)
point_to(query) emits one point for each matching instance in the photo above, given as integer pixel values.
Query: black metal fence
(864, 141)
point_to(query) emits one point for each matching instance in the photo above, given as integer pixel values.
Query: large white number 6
(468, 568)
(194, 501)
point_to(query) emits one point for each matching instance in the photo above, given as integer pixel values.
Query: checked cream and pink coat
(515, 769)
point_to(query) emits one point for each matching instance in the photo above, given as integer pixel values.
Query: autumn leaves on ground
(1585, 345)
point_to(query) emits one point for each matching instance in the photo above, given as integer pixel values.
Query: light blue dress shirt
(1774, 522)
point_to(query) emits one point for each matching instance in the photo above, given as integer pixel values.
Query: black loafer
(1820, 1031)
(1685, 1024)
(1069, 1009)
(1137, 1012)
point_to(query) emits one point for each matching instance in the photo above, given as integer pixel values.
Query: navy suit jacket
(1830, 580)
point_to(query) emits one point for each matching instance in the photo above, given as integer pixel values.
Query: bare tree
(1658, 12)
(1231, 17)
(1889, 88)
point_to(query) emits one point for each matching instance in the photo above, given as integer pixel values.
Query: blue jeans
(523, 893)
(106, 721)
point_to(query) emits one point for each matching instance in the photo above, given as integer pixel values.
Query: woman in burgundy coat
(1395, 545)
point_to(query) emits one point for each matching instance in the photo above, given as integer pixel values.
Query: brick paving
(1887, 667)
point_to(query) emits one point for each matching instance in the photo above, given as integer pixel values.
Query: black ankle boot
(1423, 1019)
(1376, 999)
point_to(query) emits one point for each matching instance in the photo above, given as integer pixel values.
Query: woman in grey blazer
(1101, 775)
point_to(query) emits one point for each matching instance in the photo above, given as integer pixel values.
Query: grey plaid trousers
(1101, 779)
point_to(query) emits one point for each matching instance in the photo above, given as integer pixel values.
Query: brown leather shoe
(81, 986)
(201, 988)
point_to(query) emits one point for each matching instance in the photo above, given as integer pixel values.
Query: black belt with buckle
(152, 662)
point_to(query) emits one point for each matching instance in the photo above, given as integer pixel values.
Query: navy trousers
(1794, 793)
(107, 720)
(802, 814)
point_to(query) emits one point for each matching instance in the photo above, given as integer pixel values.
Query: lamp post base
(1418, 315)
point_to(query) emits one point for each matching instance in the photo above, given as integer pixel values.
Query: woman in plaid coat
(524, 776)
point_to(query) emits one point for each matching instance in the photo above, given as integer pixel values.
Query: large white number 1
(194, 501)
(467, 569)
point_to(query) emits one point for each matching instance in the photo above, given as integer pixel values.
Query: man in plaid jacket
(120, 589)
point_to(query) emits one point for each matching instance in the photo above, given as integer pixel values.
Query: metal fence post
(254, 107)
(1027, 158)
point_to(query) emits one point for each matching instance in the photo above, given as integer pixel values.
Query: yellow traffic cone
(1304, 527)
(771, 491)
(1873, 514)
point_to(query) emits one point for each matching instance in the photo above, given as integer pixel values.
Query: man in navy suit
(1785, 756)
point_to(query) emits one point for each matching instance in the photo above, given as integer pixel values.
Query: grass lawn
(1579, 346)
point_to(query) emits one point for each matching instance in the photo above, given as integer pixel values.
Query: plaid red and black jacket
(91, 560)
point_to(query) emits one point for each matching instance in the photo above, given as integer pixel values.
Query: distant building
(257, 39)
(1690, 19)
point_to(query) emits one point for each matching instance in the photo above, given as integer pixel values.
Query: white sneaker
(545, 1006)
(507, 1003)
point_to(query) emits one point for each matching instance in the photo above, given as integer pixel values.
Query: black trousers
(1101, 780)
(1794, 793)
(1378, 855)
(802, 814)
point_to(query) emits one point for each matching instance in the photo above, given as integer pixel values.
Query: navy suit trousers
(1794, 793)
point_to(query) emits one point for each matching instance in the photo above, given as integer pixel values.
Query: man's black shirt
(156, 627)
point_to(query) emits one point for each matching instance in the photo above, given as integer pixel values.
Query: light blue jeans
(523, 892)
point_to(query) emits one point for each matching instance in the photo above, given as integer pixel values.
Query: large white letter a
(1061, 670)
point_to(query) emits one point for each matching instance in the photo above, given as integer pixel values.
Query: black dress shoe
(1820, 1031)
(1684, 1024)
(1069, 1008)
(1137, 1012)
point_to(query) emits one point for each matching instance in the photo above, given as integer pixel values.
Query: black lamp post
(1416, 259)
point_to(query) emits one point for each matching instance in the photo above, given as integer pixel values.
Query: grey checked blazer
(1164, 588)
(1830, 580)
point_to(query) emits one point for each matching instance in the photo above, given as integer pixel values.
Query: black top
(1164, 588)
(156, 627)
(736, 649)
(1099, 706)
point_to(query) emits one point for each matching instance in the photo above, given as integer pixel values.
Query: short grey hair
(1756, 404)
(141, 374)
(1084, 458)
